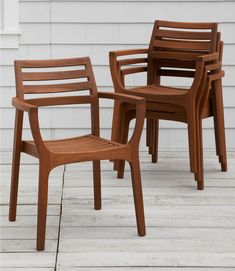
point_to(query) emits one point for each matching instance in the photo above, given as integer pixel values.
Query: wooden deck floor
(186, 229)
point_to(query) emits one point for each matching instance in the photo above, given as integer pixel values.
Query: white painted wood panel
(141, 12)
(97, 38)
(55, 29)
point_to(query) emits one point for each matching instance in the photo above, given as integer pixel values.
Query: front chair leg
(15, 165)
(97, 185)
(199, 176)
(138, 196)
(44, 172)
(219, 112)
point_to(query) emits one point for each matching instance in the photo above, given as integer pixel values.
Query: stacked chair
(190, 50)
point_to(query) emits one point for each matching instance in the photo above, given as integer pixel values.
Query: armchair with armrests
(90, 147)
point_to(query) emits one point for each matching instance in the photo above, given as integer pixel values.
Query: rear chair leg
(147, 132)
(155, 141)
(97, 185)
(138, 196)
(150, 135)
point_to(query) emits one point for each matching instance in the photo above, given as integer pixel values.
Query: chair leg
(138, 196)
(215, 127)
(192, 139)
(150, 135)
(44, 172)
(117, 127)
(147, 132)
(199, 175)
(115, 135)
(219, 113)
(15, 165)
(97, 185)
(125, 130)
(155, 133)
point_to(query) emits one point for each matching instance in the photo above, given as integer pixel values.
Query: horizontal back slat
(174, 55)
(176, 64)
(133, 70)
(54, 63)
(181, 45)
(124, 62)
(183, 34)
(177, 73)
(61, 100)
(60, 75)
(57, 88)
(187, 25)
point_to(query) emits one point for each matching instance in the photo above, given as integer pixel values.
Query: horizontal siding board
(141, 12)
(73, 33)
(34, 11)
(29, 35)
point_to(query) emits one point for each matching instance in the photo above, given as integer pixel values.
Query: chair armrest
(117, 73)
(208, 57)
(129, 52)
(125, 98)
(140, 113)
(32, 111)
(216, 76)
(23, 105)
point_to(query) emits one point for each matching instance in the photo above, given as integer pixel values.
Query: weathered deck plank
(187, 230)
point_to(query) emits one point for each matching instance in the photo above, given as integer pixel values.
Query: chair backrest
(174, 47)
(57, 76)
(54, 76)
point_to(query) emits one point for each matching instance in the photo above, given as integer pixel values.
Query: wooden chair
(91, 147)
(174, 51)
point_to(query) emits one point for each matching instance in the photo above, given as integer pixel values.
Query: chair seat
(154, 93)
(80, 145)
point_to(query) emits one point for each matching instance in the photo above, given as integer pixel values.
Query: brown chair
(91, 147)
(175, 50)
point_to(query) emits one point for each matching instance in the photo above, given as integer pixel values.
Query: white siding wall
(58, 29)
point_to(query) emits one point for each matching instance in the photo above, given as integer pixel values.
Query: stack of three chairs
(192, 50)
